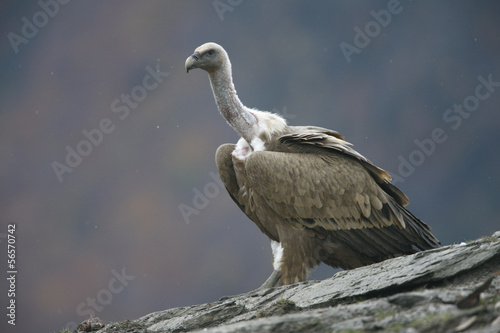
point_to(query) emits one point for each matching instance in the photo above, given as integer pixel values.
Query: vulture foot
(272, 281)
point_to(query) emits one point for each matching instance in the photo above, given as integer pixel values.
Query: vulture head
(209, 57)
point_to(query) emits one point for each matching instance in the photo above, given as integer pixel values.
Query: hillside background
(119, 211)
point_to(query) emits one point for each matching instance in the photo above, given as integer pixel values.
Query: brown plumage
(315, 197)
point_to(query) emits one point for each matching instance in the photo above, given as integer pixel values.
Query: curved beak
(192, 61)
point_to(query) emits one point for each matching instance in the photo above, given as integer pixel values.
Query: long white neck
(230, 106)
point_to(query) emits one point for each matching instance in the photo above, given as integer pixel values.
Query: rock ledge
(451, 289)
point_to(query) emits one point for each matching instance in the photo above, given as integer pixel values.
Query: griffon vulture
(316, 198)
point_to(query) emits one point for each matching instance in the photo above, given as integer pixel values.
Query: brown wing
(328, 190)
(325, 184)
(311, 136)
(224, 161)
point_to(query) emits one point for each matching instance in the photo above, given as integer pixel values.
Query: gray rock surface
(450, 289)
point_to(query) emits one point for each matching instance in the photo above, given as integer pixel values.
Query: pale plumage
(315, 197)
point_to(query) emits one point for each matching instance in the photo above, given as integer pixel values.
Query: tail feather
(371, 245)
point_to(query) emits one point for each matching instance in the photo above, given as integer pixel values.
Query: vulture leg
(224, 162)
(271, 282)
(274, 280)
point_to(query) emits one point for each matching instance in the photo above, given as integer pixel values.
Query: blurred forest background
(140, 223)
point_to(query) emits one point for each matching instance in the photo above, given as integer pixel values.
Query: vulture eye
(211, 52)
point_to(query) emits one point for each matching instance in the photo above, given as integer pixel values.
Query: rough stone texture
(415, 293)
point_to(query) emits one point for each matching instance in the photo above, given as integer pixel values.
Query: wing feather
(328, 139)
(321, 183)
(332, 189)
